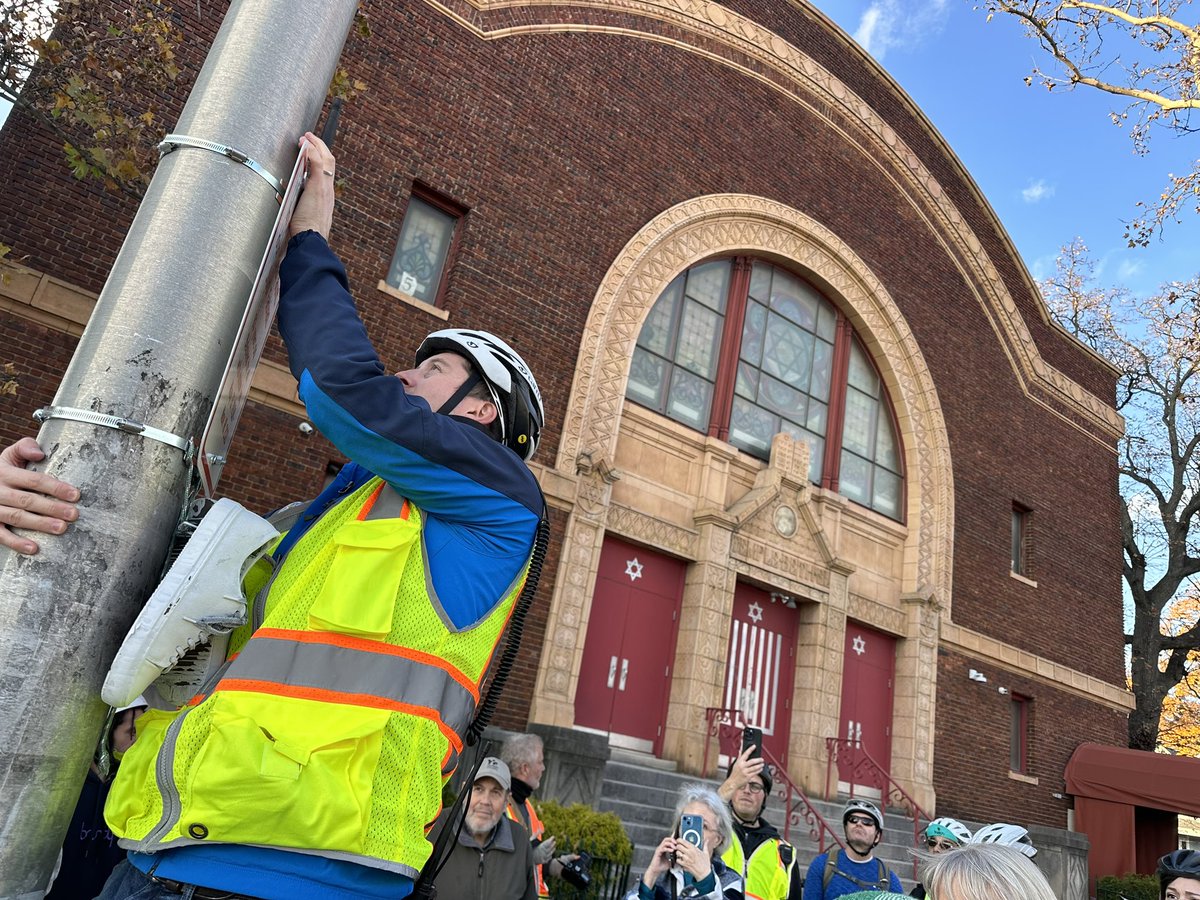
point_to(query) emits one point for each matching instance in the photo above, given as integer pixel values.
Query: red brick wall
(562, 146)
(971, 763)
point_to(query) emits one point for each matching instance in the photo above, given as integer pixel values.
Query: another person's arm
(31, 500)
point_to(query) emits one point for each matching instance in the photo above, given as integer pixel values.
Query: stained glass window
(421, 251)
(791, 354)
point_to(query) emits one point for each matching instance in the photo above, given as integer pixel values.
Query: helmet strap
(463, 389)
(473, 378)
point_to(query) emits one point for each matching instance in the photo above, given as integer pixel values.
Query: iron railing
(862, 770)
(608, 883)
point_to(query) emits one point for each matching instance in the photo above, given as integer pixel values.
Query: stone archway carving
(726, 223)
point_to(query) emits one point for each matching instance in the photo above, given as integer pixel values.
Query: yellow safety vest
(536, 830)
(767, 876)
(336, 721)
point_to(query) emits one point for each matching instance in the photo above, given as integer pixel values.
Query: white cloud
(1130, 269)
(892, 24)
(1037, 191)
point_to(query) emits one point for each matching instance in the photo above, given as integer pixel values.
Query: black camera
(575, 872)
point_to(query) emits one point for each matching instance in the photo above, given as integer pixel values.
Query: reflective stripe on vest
(536, 830)
(340, 668)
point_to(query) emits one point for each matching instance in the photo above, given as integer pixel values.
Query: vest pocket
(266, 775)
(358, 594)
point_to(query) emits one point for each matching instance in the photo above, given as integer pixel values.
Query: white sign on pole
(251, 338)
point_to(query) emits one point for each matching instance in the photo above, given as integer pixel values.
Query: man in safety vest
(525, 756)
(314, 765)
(766, 860)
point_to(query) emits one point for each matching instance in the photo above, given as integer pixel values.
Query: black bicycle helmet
(512, 386)
(1177, 864)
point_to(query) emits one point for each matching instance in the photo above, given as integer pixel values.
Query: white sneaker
(197, 604)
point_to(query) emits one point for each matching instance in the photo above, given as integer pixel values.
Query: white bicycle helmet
(1001, 833)
(867, 808)
(512, 386)
(950, 829)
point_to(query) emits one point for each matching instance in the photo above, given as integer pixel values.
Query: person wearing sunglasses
(841, 872)
(941, 835)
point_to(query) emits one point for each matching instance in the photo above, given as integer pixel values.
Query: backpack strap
(830, 870)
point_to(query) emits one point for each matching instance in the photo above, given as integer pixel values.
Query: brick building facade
(589, 155)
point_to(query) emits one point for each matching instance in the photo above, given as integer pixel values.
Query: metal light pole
(153, 354)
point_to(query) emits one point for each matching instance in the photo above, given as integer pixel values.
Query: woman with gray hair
(680, 869)
(985, 872)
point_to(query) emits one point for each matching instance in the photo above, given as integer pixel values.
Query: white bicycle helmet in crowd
(511, 384)
(950, 829)
(1002, 833)
(867, 808)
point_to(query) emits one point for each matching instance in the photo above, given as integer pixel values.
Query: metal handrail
(862, 763)
(726, 725)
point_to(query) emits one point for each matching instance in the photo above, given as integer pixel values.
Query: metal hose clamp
(128, 426)
(175, 141)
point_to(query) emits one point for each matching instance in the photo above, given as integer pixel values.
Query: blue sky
(1051, 164)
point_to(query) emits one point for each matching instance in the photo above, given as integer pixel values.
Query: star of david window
(743, 349)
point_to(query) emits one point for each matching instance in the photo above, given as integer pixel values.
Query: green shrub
(578, 827)
(1131, 887)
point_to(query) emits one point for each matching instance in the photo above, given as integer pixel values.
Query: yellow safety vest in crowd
(767, 876)
(336, 722)
(536, 830)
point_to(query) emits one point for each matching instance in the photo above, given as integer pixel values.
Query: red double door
(868, 678)
(625, 675)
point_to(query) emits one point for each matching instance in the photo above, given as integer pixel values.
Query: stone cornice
(994, 652)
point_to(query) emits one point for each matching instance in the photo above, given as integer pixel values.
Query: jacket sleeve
(531, 882)
(481, 501)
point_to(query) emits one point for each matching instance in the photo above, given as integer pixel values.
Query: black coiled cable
(424, 887)
(516, 625)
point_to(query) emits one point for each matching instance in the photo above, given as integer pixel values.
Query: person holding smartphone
(687, 863)
(756, 849)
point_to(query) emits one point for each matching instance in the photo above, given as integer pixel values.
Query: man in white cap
(492, 858)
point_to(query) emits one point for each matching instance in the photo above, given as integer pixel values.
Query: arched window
(743, 349)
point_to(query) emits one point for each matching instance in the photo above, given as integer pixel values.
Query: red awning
(1135, 777)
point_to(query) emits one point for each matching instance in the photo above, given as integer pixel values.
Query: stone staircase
(641, 791)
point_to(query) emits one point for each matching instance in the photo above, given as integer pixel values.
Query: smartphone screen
(752, 737)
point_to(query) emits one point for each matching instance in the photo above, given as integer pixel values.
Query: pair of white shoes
(178, 641)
